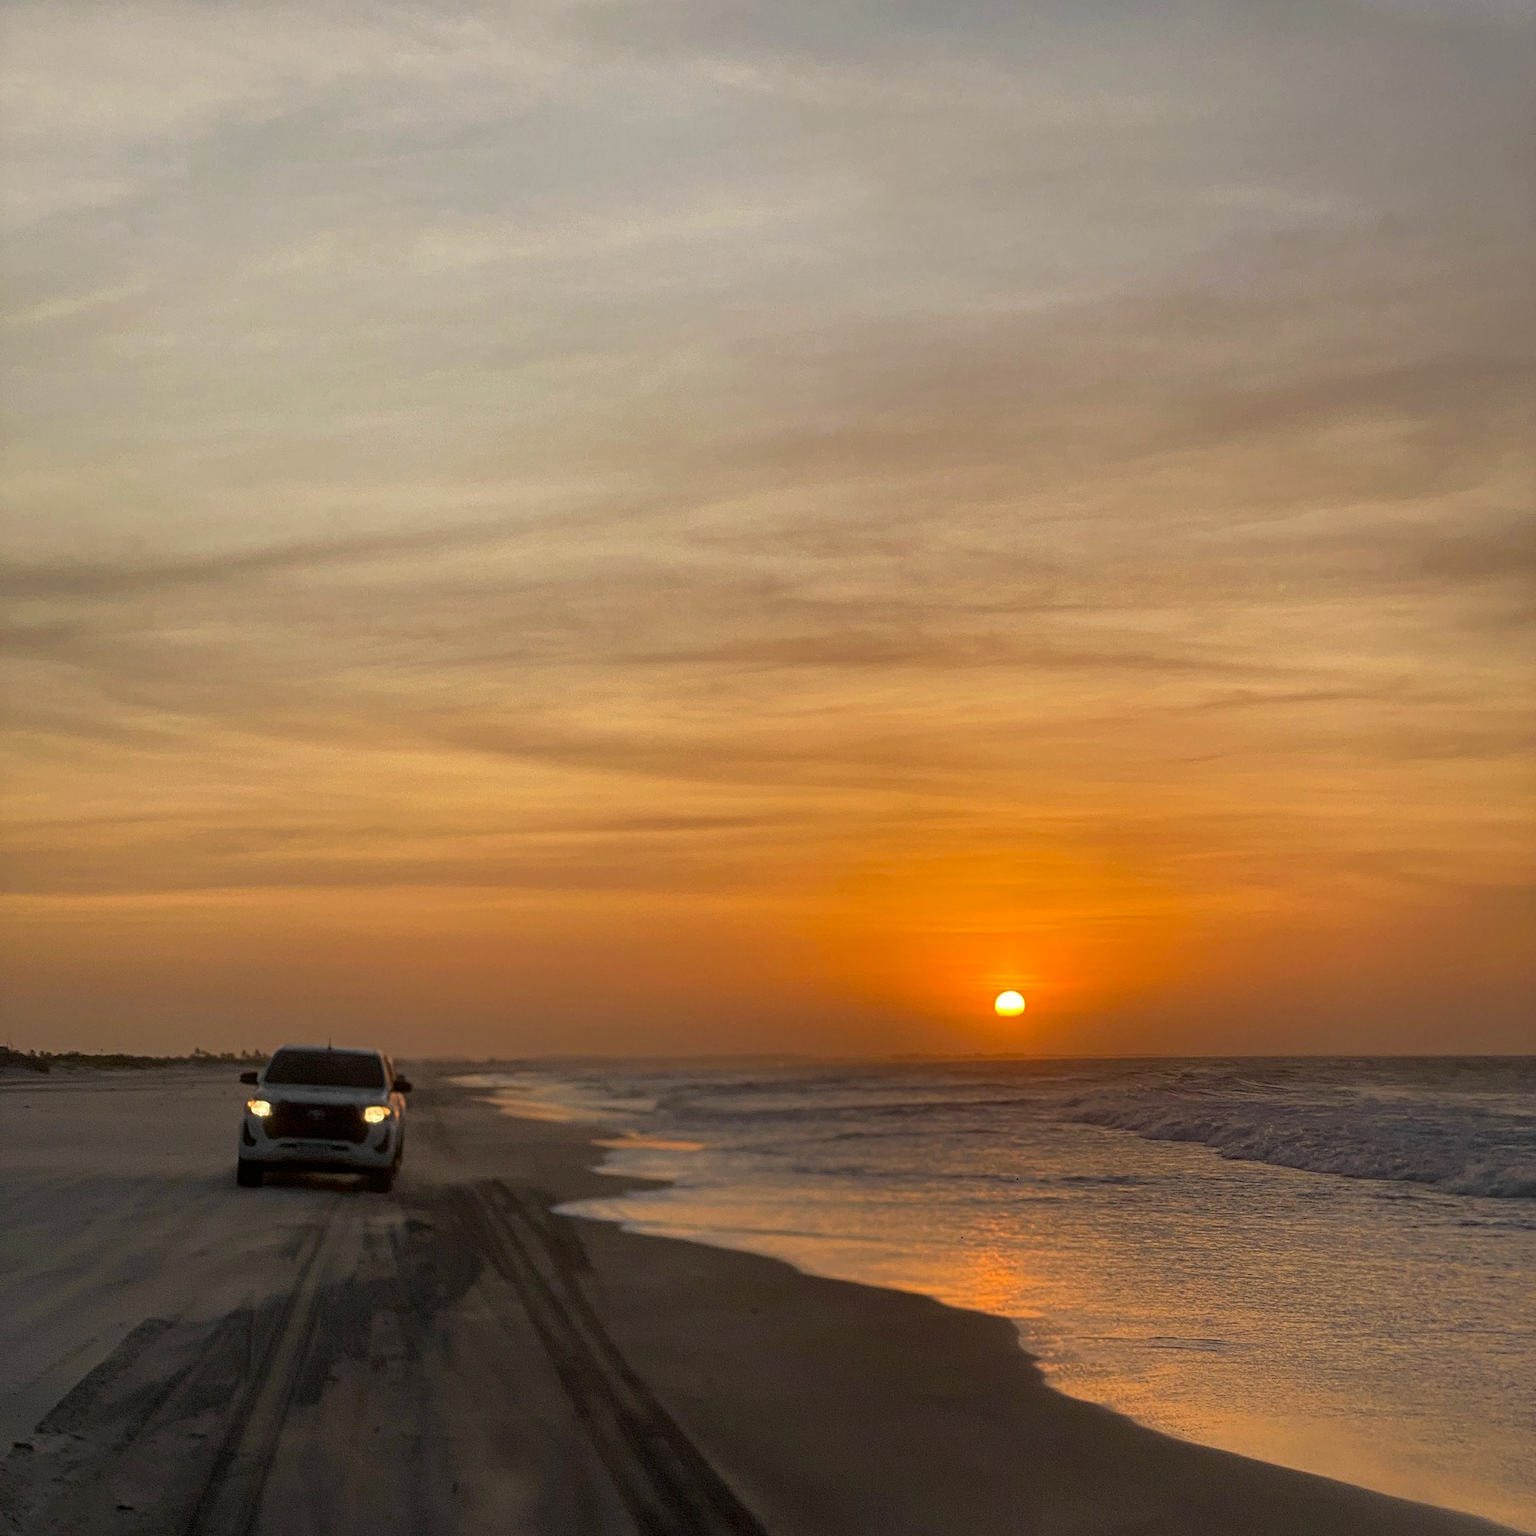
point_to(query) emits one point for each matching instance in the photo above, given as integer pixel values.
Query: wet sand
(179, 1355)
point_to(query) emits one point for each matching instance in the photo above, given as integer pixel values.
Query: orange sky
(755, 530)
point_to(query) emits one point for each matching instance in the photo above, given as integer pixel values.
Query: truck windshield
(327, 1069)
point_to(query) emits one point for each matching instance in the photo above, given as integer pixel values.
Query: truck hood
(304, 1093)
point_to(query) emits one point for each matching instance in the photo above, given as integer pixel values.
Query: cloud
(59, 579)
(912, 501)
(662, 447)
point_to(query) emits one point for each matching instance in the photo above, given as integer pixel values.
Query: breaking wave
(1458, 1149)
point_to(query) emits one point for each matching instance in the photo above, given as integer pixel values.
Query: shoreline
(995, 1389)
(460, 1357)
(1241, 1303)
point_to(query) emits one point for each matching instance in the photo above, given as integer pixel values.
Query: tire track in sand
(141, 1463)
(667, 1486)
(231, 1497)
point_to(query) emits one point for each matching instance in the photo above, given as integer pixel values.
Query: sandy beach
(179, 1355)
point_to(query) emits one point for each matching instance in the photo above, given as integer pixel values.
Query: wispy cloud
(705, 451)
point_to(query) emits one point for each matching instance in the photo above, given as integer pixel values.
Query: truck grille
(316, 1122)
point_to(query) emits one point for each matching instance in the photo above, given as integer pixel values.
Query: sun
(1009, 1004)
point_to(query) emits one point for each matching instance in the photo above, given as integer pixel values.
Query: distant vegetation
(46, 1061)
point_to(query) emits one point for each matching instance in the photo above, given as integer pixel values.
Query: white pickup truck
(315, 1108)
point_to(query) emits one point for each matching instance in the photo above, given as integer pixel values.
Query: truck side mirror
(248, 1077)
(402, 1085)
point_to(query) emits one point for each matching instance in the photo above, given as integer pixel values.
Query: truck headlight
(376, 1114)
(259, 1107)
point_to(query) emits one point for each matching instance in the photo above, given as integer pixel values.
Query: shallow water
(1324, 1263)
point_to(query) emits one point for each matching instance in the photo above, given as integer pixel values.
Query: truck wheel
(382, 1181)
(248, 1173)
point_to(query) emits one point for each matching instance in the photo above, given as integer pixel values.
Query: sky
(654, 526)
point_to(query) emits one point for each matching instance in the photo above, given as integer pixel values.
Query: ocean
(1326, 1263)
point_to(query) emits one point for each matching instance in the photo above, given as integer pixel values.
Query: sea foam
(1458, 1149)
